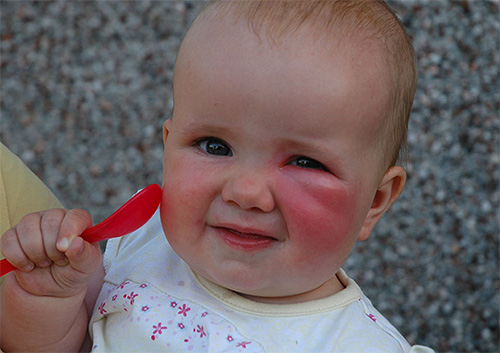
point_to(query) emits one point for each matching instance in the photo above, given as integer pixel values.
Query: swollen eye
(308, 163)
(215, 146)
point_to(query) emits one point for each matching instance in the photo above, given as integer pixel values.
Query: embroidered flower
(145, 308)
(121, 286)
(114, 297)
(173, 304)
(230, 338)
(101, 309)
(157, 330)
(204, 314)
(131, 297)
(144, 285)
(201, 331)
(243, 344)
(183, 310)
(181, 325)
(371, 316)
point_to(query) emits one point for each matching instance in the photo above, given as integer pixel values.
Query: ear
(166, 129)
(389, 190)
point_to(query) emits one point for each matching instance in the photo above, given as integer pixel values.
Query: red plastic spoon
(129, 217)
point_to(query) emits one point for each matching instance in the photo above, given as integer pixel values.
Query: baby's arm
(45, 306)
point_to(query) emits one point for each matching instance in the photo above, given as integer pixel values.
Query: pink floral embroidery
(157, 330)
(131, 297)
(371, 316)
(230, 338)
(181, 325)
(201, 331)
(243, 344)
(114, 297)
(173, 304)
(183, 310)
(145, 308)
(144, 285)
(101, 309)
(121, 286)
(204, 314)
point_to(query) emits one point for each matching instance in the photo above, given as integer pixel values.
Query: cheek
(322, 217)
(184, 194)
(186, 175)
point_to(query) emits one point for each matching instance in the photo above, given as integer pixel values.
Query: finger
(30, 237)
(83, 256)
(50, 225)
(11, 249)
(73, 224)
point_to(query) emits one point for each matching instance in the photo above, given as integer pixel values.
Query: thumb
(83, 256)
(72, 225)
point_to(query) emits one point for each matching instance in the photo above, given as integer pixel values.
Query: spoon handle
(5, 267)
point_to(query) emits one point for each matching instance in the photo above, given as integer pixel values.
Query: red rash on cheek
(320, 215)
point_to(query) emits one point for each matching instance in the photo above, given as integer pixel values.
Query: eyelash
(205, 142)
(313, 164)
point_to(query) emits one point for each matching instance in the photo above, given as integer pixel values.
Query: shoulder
(143, 238)
(358, 327)
(366, 329)
(131, 253)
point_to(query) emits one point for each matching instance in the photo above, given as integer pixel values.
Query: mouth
(247, 240)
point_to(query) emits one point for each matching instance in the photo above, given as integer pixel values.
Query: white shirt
(151, 301)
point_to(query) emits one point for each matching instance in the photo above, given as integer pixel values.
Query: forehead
(313, 73)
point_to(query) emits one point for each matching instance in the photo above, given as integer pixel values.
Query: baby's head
(369, 25)
(287, 123)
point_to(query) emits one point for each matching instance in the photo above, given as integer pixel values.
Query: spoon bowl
(129, 217)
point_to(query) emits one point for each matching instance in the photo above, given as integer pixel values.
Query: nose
(249, 190)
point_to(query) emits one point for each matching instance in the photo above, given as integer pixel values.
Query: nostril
(249, 194)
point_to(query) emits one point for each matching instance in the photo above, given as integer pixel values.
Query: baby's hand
(53, 259)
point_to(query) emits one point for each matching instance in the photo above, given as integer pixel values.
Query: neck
(330, 287)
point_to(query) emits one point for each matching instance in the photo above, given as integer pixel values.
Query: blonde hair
(343, 18)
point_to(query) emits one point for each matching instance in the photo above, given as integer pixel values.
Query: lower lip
(245, 242)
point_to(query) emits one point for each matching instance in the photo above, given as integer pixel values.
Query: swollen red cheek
(321, 215)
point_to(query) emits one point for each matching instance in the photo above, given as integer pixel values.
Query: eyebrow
(202, 128)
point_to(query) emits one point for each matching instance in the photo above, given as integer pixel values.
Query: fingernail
(28, 267)
(44, 263)
(63, 244)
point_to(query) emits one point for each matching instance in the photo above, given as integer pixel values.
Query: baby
(280, 155)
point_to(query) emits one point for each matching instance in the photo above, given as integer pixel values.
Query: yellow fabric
(21, 191)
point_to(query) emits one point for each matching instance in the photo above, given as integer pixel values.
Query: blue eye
(308, 163)
(214, 146)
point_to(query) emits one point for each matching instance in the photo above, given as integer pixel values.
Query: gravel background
(85, 87)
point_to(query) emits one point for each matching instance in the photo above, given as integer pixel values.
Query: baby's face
(271, 162)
